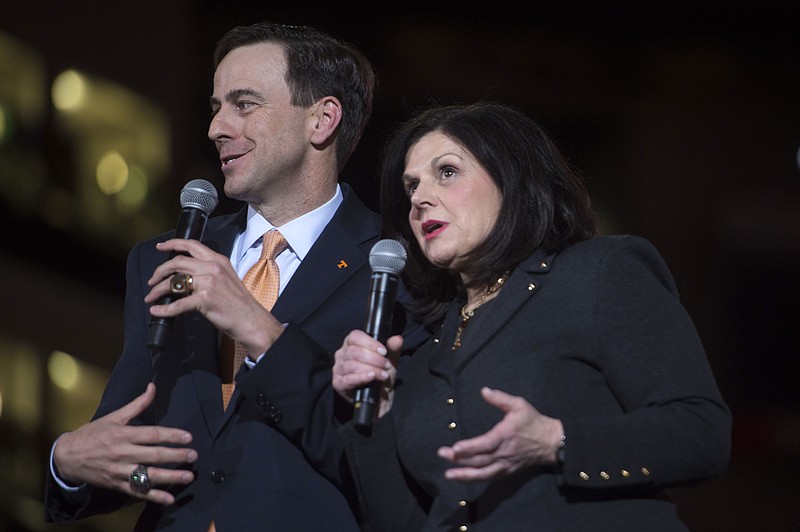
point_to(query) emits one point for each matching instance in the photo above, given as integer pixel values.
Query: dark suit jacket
(594, 336)
(251, 473)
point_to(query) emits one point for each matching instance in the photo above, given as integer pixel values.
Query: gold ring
(181, 284)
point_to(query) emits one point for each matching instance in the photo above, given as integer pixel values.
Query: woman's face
(454, 202)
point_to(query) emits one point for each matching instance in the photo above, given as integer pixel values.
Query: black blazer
(251, 473)
(595, 337)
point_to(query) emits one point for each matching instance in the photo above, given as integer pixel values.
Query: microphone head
(387, 256)
(199, 194)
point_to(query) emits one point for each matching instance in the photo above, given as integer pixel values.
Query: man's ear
(326, 115)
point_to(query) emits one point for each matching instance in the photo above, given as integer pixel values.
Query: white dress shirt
(300, 235)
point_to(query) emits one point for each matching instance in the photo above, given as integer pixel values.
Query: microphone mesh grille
(387, 256)
(200, 194)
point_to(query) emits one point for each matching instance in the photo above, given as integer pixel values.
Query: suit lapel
(337, 254)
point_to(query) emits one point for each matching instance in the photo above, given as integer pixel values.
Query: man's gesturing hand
(104, 452)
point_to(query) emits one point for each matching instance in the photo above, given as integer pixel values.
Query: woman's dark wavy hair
(317, 65)
(545, 204)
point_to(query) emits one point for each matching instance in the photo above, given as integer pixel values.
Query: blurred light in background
(73, 398)
(109, 151)
(85, 155)
(134, 192)
(63, 370)
(22, 79)
(36, 405)
(69, 91)
(23, 104)
(20, 385)
(65, 394)
(112, 173)
(5, 127)
(113, 130)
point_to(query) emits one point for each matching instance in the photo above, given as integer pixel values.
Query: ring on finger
(139, 479)
(181, 284)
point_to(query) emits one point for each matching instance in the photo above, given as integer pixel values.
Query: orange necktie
(263, 281)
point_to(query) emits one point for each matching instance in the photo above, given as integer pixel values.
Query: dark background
(683, 117)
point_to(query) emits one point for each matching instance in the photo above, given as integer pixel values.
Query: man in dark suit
(289, 106)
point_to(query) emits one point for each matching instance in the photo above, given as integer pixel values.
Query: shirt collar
(300, 233)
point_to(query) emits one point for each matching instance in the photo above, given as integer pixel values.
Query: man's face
(261, 137)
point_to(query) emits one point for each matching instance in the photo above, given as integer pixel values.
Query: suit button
(218, 476)
(261, 400)
(275, 415)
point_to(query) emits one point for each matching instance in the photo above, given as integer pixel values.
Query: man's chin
(232, 190)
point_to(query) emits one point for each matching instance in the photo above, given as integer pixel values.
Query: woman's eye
(448, 171)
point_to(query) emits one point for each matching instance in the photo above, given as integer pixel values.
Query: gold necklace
(467, 314)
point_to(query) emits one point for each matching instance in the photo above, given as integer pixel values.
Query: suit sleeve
(675, 427)
(292, 387)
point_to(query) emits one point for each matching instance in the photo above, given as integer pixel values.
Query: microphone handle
(382, 295)
(191, 225)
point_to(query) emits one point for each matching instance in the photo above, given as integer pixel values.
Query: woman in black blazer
(564, 386)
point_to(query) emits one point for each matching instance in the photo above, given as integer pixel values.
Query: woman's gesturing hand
(523, 438)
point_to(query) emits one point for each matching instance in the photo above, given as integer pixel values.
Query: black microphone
(387, 259)
(198, 200)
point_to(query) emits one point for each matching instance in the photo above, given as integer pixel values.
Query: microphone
(387, 259)
(198, 200)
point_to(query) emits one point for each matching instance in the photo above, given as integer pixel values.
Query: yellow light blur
(133, 196)
(69, 91)
(121, 147)
(112, 172)
(4, 129)
(20, 382)
(63, 370)
(23, 85)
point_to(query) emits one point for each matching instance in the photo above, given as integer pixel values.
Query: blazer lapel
(519, 288)
(335, 257)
